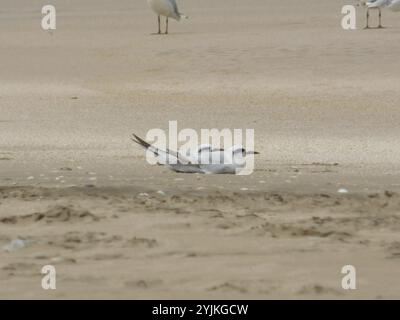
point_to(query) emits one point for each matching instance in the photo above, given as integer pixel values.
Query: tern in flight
(206, 160)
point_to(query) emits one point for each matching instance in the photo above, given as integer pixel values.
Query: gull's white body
(166, 8)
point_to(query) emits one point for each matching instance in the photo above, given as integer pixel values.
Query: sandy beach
(323, 102)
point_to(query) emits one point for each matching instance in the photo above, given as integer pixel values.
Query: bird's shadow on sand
(374, 28)
(172, 34)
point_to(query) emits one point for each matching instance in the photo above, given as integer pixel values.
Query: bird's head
(240, 151)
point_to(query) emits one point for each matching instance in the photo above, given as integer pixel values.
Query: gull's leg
(380, 18)
(166, 27)
(159, 25)
(367, 27)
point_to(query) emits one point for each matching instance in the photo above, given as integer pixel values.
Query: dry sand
(324, 105)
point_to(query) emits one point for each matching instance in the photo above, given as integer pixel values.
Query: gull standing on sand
(393, 5)
(166, 8)
(207, 160)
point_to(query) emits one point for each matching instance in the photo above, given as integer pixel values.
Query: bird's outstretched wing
(167, 157)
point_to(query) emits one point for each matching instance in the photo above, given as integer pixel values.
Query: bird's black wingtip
(140, 141)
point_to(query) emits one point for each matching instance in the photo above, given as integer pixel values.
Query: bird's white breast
(162, 7)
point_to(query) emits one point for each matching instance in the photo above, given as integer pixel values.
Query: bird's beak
(252, 152)
(217, 149)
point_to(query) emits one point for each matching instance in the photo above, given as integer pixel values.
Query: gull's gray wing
(175, 6)
(378, 3)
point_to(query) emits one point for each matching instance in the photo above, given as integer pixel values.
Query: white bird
(221, 161)
(206, 160)
(393, 5)
(165, 8)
